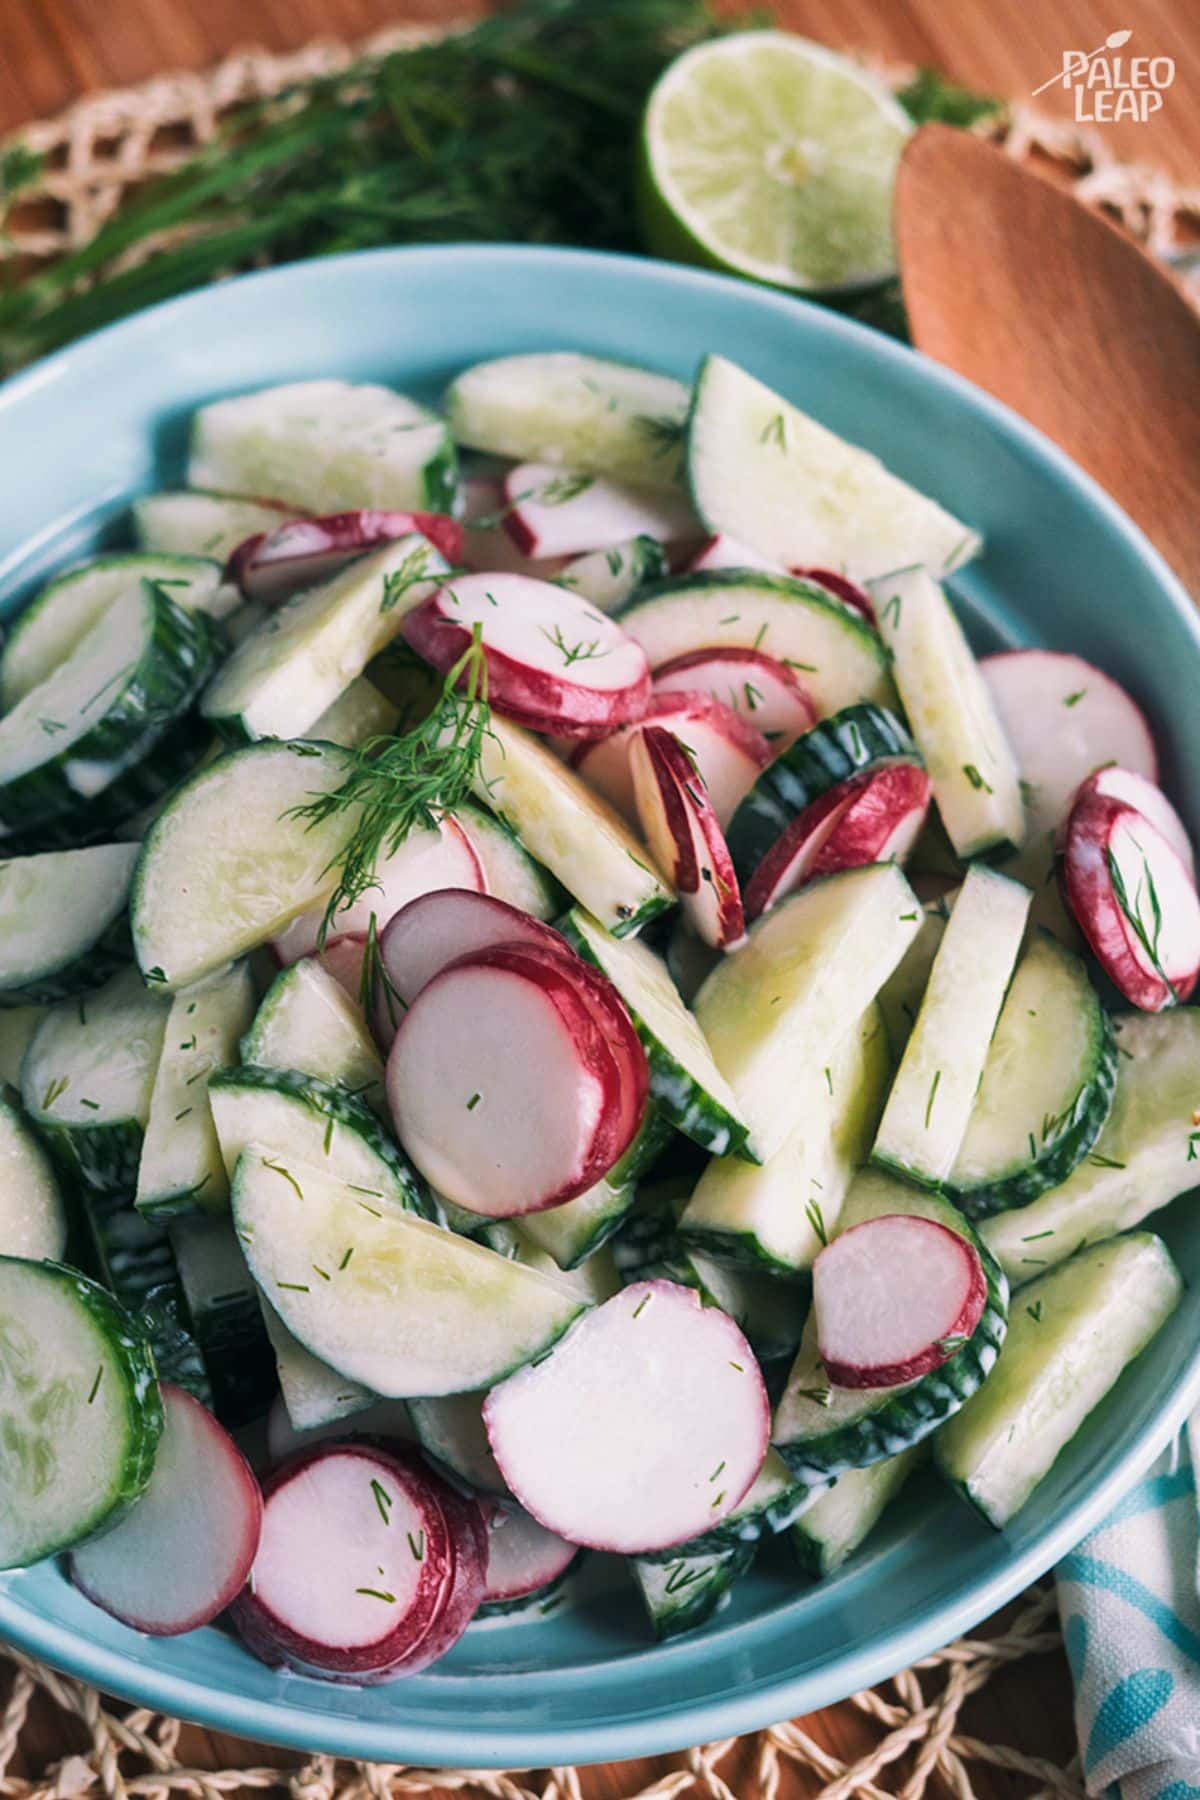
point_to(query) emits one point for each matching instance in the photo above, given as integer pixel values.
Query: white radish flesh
(434, 930)
(873, 817)
(644, 1427)
(523, 1557)
(273, 565)
(1134, 790)
(766, 692)
(685, 838)
(552, 512)
(728, 751)
(487, 547)
(894, 1298)
(725, 552)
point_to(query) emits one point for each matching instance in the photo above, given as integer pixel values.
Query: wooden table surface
(51, 51)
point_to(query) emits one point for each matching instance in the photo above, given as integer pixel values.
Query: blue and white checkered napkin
(1131, 1622)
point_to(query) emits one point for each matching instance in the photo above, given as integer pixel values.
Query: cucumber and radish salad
(477, 1010)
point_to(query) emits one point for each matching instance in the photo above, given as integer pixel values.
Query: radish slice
(725, 552)
(684, 837)
(876, 816)
(523, 1557)
(894, 1298)
(729, 753)
(849, 592)
(423, 863)
(1134, 901)
(185, 1550)
(552, 512)
(382, 1419)
(1150, 801)
(644, 1427)
(273, 565)
(553, 662)
(468, 1533)
(343, 957)
(487, 547)
(434, 930)
(766, 693)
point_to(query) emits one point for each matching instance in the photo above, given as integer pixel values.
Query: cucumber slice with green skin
(225, 1316)
(360, 712)
(828, 1532)
(774, 1501)
(976, 781)
(578, 836)
(82, 1411)
(315, 1396)
(105, 708)
(450, 1430)
(17, 1026)
(857, 738)
(775, 1217)
(572, 1233)
(582, 412)
(290, 670)
(608, 578)
(33, 1219)
(226, 866)
(1072, 1334)
(44, 635)
(821, 1430)
(932, 1098)
(190, 522)
(1145, 1156)
(836, 654)
(1047, 1086)
(408, 1309)
(87, 1079)
(307, 1021)
(685, 1081)
(63, 927)
(181, 1170)
(900, 997)
(509, 872)
(325, 446)
(130, 803)
(685, 1593)
(763, 471)
(808, 970)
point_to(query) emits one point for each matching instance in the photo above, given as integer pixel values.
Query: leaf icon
(1115, 39)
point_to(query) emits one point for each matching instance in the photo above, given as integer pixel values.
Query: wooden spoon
(1057, 312)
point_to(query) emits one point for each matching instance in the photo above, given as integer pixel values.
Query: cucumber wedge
(307, 1021)
(571, 1233)
(770, 476)
(359, 712)
(17, 1026)
(834, 651)
(608, 578)
(1146, 1155)
(775, 1499)
(900, 997)
(509, 872)
(976, 781)
(82, 1411)
(829, 1531)
(686, 1592)
(1071, 1336)
(1047, 1087)
(33, 1219)
(398, 1305)
(189, 522)
(325, 446)
(225, 1316)
(585, 412)
(63, 928)
(932, 1097)
(314, 1395)
(452, 1432)
(809, 969)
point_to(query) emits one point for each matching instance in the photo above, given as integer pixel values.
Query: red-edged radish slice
(553, 662)
(272, 565)
(467, 1526)
(644, 1427)
(849, 592)
(487, 547)
(684, 837)
(434, 930)
(876, 816)
(1064, 719)
(894, 1298)
(725, 552)
(181, 1555)
(766, 693)
(523, 1557)
(354, 1568)
(553, 512)
(501, 1086)
(425, 861)
(343, 957)
(382, 1419)
(1134, 901)
(1148, 799)
(729, 753)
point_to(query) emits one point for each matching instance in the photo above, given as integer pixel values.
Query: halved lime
(769, 156)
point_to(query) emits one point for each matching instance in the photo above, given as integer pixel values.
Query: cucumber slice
(129, 804)
(360, 712)
(87, 1079)
(822, 1430)
(776, 1498)
(1070, 1338)
(45, 634)
(767, 474)
(835, 652)
(768, 1310)
(62, 921)
(1145, 1156)
(451, 1431)
(585, 412)
(297, 663)
(509, 872)
(686, 1592)
(223, 1308)
(225, 866)
(575, 833)
(189, 522)
(1047, 1087)
(807, 972)
(685, 1081)
(33, 1219)
(325, 446)
(573, 1232)
(408, 1308)
(307, 1021)
(776, 1216)
(829, 1531)
(900, 997)
(126, 681)
(181, 1170)
(82, 1411)
(608, 578)
(976, 781)
(925, 1119)
(314, 1394)
(17, 1026)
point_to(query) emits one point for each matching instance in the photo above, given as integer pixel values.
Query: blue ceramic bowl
(83, 432)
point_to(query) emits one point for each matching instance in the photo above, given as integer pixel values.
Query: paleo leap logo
(1106, 88)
